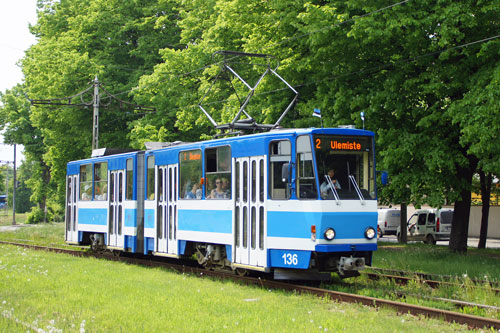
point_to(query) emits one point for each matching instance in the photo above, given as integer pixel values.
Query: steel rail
(427, 276)
(449, 316)
(431, 283)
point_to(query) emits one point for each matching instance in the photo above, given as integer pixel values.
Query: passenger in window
(98, 195)
(104, 192)
(194, 193)
(226, 187)
(87, 194)
(218, 192)
(325, 188)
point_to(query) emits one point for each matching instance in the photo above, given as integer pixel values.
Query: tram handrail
(334, 190)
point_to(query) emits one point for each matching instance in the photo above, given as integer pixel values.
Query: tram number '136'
(290, 258)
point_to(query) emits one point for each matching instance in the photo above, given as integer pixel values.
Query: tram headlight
(329, 234)
(370, 233)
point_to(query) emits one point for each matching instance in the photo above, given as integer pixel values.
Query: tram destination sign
(192, 155)
(335, 143)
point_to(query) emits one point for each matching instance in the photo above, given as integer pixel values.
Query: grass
(476, 264)
(55, 292)
(6, 217)
(412, 257)
(45, 234)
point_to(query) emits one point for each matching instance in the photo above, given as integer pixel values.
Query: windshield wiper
(334, 190)
(358, 190)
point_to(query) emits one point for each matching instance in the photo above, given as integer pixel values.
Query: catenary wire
(374, 69)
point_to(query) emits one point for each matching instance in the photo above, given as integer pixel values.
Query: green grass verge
(481, 264)
(54, 292)
(6, 217)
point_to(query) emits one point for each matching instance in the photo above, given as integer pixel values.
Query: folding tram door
(71, 207)
(166, 210)
(115, 217)
(250, 211)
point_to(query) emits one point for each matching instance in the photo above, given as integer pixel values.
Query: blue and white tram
(295, 203)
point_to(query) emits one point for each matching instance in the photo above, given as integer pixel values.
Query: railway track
(431, 283)
(432, 277)
(450, 316)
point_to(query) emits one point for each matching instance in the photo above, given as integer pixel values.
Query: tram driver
(325, 187)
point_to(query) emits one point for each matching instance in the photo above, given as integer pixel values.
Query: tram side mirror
(385, 178)
(285, 172)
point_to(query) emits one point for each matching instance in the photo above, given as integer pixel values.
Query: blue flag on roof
(317, 113)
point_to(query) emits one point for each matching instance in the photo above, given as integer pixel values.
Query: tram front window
(345, 167)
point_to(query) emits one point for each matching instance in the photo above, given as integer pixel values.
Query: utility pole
(95, 127)
(7, 189)
(67, 101)
(14, 191)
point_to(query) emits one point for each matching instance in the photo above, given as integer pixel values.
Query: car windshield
(345, 167)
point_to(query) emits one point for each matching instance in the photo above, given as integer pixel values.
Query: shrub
(35, 216)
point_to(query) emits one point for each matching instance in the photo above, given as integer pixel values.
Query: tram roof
(278, 133)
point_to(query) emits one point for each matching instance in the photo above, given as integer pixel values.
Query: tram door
(116, 197)
(166, 211)
(71, 208)
(250, 213)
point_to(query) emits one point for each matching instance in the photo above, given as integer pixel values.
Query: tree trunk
(46, 179)
(402, 223)
(460, 224)
(485, 210)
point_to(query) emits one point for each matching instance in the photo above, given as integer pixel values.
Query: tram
(297, 203)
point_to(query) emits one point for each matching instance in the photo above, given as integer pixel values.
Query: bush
(35, 216)
(55, 212)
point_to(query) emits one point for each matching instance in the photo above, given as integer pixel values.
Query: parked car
(429, 225)
(388, 221)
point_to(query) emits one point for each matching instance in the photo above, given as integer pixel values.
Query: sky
(15, 38)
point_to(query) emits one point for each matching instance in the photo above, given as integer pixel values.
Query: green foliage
(35, 216)
(118, 42)
(428, 90)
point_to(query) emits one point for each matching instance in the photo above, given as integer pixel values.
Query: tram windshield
(345, 167)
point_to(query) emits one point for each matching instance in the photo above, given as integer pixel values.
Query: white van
(429, 225)
(388, 221)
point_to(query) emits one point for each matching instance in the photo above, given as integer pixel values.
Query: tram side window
(86, 182)
(129, 194)
(190, 174)
(218, 173)
(101, 181)
(280, 152)
(306, 182)
(151, 178)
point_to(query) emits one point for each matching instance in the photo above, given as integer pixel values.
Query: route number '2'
(290, 259)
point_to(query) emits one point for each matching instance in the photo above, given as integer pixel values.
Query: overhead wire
(215, 63)
(374, 69)
(380, 67)
(280, 43)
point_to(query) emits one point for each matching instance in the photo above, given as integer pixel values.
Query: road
(472, 241)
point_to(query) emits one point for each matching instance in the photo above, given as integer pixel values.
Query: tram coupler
(351, 264)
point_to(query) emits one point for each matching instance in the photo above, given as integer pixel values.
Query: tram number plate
(290, 258)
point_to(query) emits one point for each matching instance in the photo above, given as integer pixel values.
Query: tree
(23, 192)
(408, 68)
(15, 117)
(119, 42)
